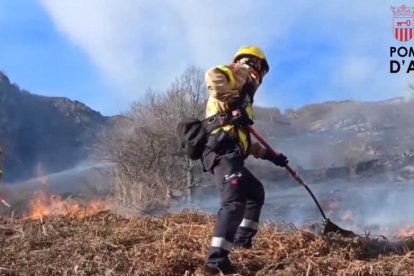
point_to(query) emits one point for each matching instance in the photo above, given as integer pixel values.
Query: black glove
(241, 118)
(279, 160)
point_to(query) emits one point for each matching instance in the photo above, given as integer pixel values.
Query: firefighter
(232, 89)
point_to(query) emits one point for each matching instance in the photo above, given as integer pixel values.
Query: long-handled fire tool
(330, 227)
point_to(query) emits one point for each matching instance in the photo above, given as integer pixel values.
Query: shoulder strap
(217, 121)
(229, 73)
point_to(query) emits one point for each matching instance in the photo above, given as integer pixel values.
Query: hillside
(106, 244)
(41, 135)
(345, 139)
(350, 138)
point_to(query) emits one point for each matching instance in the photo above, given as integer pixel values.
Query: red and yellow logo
(403, 23)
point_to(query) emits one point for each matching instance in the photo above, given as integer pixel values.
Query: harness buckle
(223, 119)
(211, 120)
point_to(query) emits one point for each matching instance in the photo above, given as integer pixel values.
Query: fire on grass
(406, 232)
(349, 217)
(43, 205)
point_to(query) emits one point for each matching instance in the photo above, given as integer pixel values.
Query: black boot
(225, 267)
(245, 243)
(243, 238)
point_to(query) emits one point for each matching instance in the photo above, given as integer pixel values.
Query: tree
(143, 147)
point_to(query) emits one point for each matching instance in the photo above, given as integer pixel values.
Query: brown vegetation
(106, 244)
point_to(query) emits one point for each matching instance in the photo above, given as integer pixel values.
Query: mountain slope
(43, 134)
(47, 134)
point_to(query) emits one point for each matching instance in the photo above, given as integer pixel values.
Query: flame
(348, 216)
(51, 205)
(334, 205)
(406, 232)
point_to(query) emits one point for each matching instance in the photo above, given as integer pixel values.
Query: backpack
(192, 137)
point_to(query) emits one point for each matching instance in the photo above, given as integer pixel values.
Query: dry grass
(106, 244)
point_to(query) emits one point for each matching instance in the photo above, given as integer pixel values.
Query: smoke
(355, 192)
(126, 45)
(364, 207)
(379, 202)
(373, 204)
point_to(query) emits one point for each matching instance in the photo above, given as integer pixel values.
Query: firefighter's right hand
(240, 118)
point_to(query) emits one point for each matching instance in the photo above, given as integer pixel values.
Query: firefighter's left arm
(258, 151)
(219, 87)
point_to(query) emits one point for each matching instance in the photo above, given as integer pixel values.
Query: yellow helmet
(252, 51)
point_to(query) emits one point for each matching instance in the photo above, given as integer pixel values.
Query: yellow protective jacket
(224, 84)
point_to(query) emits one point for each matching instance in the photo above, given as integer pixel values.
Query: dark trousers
(242, 198)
